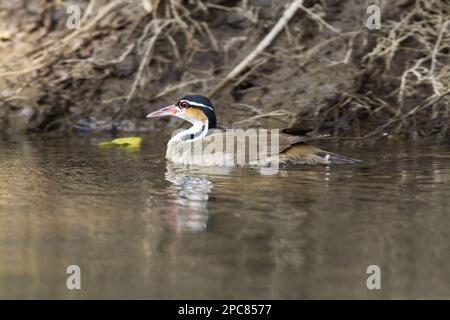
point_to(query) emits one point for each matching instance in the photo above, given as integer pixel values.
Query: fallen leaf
(129, 142)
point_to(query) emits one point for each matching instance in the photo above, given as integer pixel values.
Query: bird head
(194, 109)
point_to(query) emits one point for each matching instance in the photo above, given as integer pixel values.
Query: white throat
(198, 130)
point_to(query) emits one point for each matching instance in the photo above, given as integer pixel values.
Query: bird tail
(334, 158)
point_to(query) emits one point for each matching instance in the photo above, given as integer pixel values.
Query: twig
(274, 114)
(279, 26)
(88, 10)
(146, 58)
(436, 84)
(320, 20)
(22, 71)
(102, 14)
(410, 113)
(103, 62)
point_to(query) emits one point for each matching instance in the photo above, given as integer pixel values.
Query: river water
(140, 228)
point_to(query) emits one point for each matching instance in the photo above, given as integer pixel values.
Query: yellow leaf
(129, 142)
(132, 141)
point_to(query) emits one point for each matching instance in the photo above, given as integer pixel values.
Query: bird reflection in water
(191, 189)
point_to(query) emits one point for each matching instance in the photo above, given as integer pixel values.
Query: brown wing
(241, 140)
(304, 153)
(293, 147)
(289, 140)
(290, 147)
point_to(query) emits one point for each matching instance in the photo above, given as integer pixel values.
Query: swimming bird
(288, 146)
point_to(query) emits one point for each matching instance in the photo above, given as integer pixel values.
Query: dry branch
(279, 26)
(146, 58)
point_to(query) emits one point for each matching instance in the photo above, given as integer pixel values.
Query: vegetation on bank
(324, 69)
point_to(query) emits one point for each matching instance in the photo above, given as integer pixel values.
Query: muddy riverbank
(325, 70)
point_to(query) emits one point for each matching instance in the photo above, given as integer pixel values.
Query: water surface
(140, 228)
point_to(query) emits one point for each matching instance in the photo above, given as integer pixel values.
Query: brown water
(139, 228)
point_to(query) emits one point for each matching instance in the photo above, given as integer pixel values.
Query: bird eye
(183, 105)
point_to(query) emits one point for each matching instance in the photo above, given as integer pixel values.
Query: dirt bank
(326, 69)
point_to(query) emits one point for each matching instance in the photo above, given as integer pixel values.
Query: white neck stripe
(198, 104)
